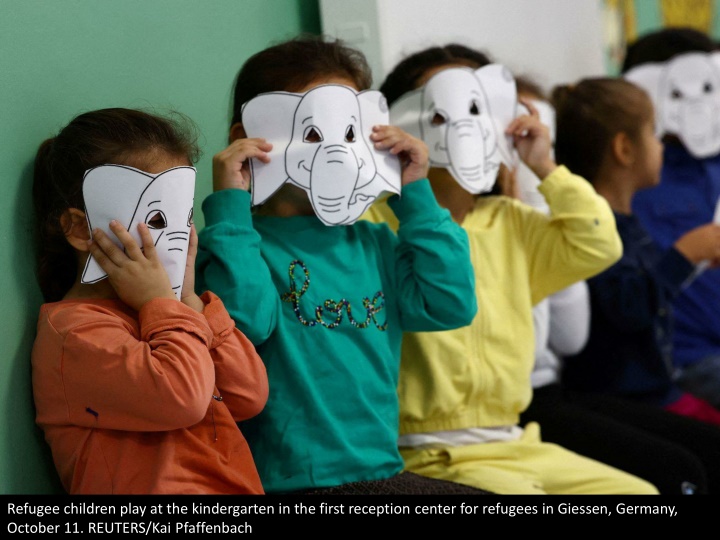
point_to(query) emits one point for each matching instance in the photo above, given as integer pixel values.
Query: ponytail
(56, 264)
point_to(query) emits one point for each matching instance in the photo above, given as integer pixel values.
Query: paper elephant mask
(163, 201)
(686, 93)
(321, 143)
(461, 114)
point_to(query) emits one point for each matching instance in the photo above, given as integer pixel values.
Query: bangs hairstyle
(122, 136)
(293, 64)
(588, 116)
(406, 75)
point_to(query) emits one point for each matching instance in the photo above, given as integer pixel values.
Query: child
(605, 130)
(684, 199)
(137, 391)
(326, 306)
(562, 325)
(462, 391)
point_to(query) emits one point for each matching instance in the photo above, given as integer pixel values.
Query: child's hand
(701, 244)
(188, 296)
(532, 141)
(136, 274)
(413, 153)
(230, 167)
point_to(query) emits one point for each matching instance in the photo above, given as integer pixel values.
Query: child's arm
(433, 274)
(229, 261)
(629, 294)
(240, 374)
(569, 318)
(161, 379)
(115, 378)
(579, 239)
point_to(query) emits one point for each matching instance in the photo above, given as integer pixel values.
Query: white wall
(551, 41)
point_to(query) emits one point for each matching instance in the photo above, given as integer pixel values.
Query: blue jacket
(684, 199)
(629, 351)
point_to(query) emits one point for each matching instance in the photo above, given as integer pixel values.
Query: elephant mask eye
(474, 108)
(707, 88)
(156, 220)
(350, 134)
(438, 119)
(676, 94)
(190, 217)
(312, 135)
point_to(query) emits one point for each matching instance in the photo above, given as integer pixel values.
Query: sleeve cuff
(673, 269)
(417, 199)
(161, 314)
(228, 205)
(219, 320)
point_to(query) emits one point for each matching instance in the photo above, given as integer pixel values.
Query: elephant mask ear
(269, 116)
(406, 113)
(648, 77)
(374, 111)
(501, 92)
(110, 192)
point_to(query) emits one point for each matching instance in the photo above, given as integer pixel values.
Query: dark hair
(589, 114)
(526, 85)
(406, 75)
(122, 136)
(662, 45)
(293, 64)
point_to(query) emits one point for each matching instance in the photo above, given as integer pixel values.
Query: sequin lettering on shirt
(334, 309)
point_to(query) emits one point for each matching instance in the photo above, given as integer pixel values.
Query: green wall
(62, 57)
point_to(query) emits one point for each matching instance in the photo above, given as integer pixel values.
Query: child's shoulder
(497, 209)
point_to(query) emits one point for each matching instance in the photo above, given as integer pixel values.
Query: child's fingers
(523, 125)
(241, 153)
(403, 145)
(192, 244)
(99, 255)
(387, 138)
(108, 247)
(132, 249)
(530, 107)
(147, 242)
(256, 147)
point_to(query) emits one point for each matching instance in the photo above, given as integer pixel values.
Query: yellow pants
(524, 467)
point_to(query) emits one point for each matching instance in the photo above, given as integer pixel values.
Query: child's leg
(615, 438)
(524, 467)
(563, 472)
(490, 466)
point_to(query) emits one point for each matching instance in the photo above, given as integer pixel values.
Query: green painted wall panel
(59, 58)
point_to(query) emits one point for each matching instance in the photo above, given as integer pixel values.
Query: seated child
(585, 424)
(327, 305)
(138, 390)
(629, 353)
(462, 391)
(686, 196)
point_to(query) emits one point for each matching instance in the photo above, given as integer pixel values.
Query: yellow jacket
(479, 375)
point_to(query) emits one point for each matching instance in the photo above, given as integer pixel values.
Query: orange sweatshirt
(146, 402)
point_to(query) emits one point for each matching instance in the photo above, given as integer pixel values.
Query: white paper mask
(163, 201)
(321, 143)
(686, 93)
(528, 182)
(461, 114)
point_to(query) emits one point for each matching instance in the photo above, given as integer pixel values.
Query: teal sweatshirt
(326, 308)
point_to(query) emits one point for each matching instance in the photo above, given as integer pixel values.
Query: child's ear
(237, 131)
(623, 149)
(75, 226)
